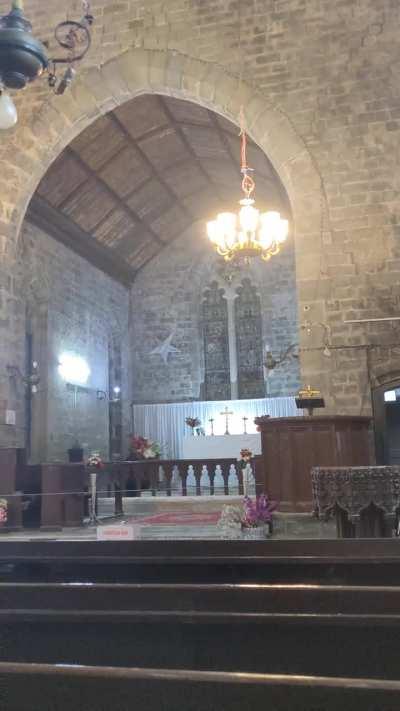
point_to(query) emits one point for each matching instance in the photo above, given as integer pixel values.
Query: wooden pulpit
(292, 446)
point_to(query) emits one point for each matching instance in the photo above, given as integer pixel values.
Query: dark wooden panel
(143, 115)
(64, 176)
(99, 143)
(163, 148)
(292, 446)
(89, 205)
(115, 227)
(125, 172)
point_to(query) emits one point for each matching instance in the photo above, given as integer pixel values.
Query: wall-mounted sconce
(309, 326)
(102, 395)
(30, 381)
(271, 363)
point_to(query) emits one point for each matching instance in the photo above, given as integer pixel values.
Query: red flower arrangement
(144, 447)
(246, 455)
(193, 422)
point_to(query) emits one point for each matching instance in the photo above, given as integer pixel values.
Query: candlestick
(244, 473)
(211, 421)
(244, 424)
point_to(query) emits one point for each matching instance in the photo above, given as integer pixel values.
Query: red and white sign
(118, 533)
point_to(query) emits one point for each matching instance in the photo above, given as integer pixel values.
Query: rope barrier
(104, 491)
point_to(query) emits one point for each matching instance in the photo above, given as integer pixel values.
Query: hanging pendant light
(248, 233)
(23, 58)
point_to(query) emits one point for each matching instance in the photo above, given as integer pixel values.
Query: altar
(166, 423)
(220, 446)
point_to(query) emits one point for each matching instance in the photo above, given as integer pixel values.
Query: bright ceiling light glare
(8, 112)
(73, 369)
(390, 396)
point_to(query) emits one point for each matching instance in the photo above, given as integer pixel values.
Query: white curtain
(166, 423)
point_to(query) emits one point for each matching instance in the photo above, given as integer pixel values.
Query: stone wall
(71, 307)
(166, 300)
(321, 96)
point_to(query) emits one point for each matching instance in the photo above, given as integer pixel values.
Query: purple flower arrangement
(258, 512)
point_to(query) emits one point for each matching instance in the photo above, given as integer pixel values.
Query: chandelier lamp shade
(23, 58)
(247, 233)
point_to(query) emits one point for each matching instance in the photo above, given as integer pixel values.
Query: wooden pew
(48, 687)
(293, 629)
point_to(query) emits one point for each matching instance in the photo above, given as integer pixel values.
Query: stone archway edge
(99, 90)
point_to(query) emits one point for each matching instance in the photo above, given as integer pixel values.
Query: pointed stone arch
(138, 71)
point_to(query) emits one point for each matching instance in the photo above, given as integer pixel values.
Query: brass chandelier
(248, 233)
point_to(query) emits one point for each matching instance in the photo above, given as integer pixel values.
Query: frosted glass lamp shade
(8, 112)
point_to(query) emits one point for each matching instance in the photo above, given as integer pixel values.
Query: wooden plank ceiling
(138, 177)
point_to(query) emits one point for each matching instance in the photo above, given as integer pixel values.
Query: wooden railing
(180, 477)
(56, 495)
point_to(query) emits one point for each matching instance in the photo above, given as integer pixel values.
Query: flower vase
(256, 533)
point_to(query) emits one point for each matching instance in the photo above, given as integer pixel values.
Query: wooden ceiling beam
(64, 230)
(180, 132)
(155, 173)
(120, 202)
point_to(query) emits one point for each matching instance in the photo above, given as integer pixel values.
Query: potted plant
(251, 521)
(257, 517)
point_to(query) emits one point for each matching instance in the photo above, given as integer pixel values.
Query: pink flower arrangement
(258, 512)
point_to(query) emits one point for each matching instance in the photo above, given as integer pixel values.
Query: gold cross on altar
(226, 414)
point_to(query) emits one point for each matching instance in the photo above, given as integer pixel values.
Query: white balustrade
(205, 484)
(219, 484)
(191, 482)
(233, 481)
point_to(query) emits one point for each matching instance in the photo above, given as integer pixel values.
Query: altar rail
(52, 496)
(180, 477)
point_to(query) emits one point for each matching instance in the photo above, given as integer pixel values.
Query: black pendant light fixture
(23, 58)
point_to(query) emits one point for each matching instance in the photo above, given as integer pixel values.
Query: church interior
(199, 355)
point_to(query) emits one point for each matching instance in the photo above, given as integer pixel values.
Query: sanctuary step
(46, 687)
(364, 562)
(275, 629)
(140, 510)
(202, 625)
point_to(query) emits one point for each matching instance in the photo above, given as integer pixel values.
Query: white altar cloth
(220, 446)
(166, 423)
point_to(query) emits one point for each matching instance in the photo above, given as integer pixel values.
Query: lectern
(292, 446)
